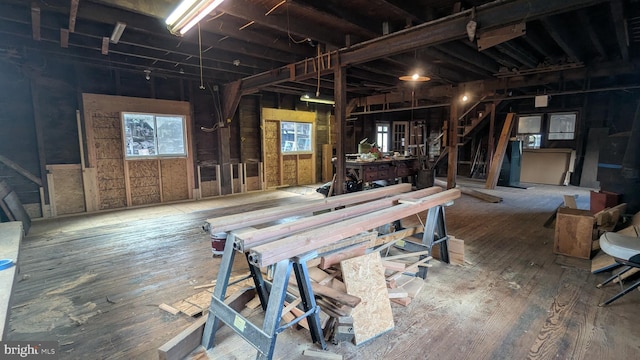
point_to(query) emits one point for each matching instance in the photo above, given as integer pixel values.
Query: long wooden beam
(311, 240)
(233, 222)
(492, 15)
(248, 240)
(20, 170)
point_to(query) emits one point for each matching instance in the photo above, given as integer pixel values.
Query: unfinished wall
(133, 182)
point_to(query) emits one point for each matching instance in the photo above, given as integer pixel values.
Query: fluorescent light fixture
(188, 14)
(316, 99)
(117, 32)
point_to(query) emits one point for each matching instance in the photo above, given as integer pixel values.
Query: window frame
(185, 144)
(311, 137)
(562, 113)
(381, 147)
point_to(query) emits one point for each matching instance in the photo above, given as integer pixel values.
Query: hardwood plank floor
(94, 283)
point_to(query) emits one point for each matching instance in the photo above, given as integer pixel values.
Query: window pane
(139, 132)
(296, 137)
(529, 124)
(562, 126)
(170, 135)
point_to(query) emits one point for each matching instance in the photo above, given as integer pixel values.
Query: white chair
(626, 251)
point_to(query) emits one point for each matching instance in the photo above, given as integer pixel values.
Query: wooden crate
(574, 233)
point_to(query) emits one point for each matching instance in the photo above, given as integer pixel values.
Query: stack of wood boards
(337, 241)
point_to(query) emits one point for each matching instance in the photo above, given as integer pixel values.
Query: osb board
(144, 182)
(555, 164)
(364, 277)
(209, 188)
(89, 179)
(175, 184)
(68, 188)
(288, 115)
(272, 152)
(305, 169)
(289, 170)
(101, 114)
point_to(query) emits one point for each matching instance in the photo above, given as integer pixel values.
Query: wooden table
(10, 239)
(390, 169)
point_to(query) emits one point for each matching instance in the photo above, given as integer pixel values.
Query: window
(529, 131)
(562, 126)
(148, 135)
(296, 137)
(382, 138)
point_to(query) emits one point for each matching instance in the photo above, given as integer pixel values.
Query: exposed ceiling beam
(489, 87)
(456, 60)
(620, 23)
(540, 45)
(105, 46)
(492, 15)
(595, 40)
(73, 13)
(395, 11)
(518, 53)
(472, 55)
(560, 38)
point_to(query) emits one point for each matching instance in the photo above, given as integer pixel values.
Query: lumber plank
(413, 287)
(397, 293)
(310, 240)
(411, 267)
(20, 170)
(389, 239)
(321, 354)
(337, 257)
(498, 156)
(364, 277)
(406, 255)
(402, 301)
(624, 276)
(570, 201)
(335, 295)
(190, 338)
(456, 250)
(247, 240)
(168, 308)
(393, 266)
(232, 222)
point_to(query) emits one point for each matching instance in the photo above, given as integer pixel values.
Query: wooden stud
(64, 38)
(105, 46)
(20, 170)
(73, 13)
(35, 21)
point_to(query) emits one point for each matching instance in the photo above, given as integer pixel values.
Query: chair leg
(620, 294)
(613, 277)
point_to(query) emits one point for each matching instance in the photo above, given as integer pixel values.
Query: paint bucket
(217, 242)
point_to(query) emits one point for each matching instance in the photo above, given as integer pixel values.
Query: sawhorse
(272, 297)
(435, 233)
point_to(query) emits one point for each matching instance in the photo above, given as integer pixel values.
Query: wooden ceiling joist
(593, 36)
(64, 38)
(617, 12)
(452, 28)
(561, 39)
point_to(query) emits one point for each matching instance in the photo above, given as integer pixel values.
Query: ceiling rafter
(551, 25)
(593, 36)
(620, 23)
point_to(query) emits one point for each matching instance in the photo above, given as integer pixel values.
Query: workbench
(385, 169)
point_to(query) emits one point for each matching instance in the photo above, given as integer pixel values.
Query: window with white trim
(151, 135)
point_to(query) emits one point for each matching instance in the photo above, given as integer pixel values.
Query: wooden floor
(94, 283)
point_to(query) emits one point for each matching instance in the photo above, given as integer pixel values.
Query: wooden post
(452, 139)
(492, 139)
(340, 95)
(224, 159)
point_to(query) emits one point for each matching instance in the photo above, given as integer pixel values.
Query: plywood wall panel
(174, 179)
(68, 189)
(272, 152)
(290, 169)
(144, 182)
(305, 170)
